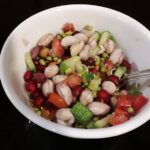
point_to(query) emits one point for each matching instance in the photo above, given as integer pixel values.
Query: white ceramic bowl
(132, 37)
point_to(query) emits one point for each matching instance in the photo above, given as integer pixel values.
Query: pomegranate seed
(126, 64)
(39, 77)
(103, 76)
(28, 76)
(76, 91)
(38, 101)
(46, 104)
(67, 53)
(90, 61)
(103, 96)
(31, 86)
(40, 68)
(65, 57)
(93, 70)
(114, 79)
(75, 32)
(36, 94)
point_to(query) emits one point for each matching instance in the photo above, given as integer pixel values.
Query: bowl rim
(63, 130)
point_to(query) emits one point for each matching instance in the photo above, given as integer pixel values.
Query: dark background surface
(15, 130)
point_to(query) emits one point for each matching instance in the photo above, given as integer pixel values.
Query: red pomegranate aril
(65, 57)
(39, 77)
(89, 62)
(36, 94)
(103, 76)
(103, 96)
(46, 104)
(114, 79)
(126, 64)
(28, 76)
(67, 53)
(93, 70)
(75, 32)
(31, 86)
(77, 90)
(38, 101)
(40, 68)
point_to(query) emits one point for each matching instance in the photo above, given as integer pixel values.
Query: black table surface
(15, 130)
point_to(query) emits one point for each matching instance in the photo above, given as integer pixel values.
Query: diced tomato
(58, 49)
(45, 113)
(109, 64)
(139, 102)
(74, 80)
(68, 27)
(134, 101)
(119, 111)
(49, 113)
(124, 101)
(115, 119)
(55, 99)
(52, 113)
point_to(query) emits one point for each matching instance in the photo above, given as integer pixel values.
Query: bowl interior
(131, 36)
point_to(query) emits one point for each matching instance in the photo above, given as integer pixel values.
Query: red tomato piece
(124, 101)
(139, 102)
(115, 119)
(109, 64)
(119, 111)
(74, 80)
(55, 99)
(58, 49)
(68, 27)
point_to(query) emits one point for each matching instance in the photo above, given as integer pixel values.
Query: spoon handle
(139, 74)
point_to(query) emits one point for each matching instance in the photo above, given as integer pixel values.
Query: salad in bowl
(74, 77)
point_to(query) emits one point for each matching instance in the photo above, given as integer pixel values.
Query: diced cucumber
(95, 36)
(94, 51)
(94, 84)
(104, 37)
(120, 71)
(29, 62)
(79, 67)
(91, 125)
(102, 122)
(68, 65)
(81, 113)
(62, 68)
(78, 125)
(68, 71)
